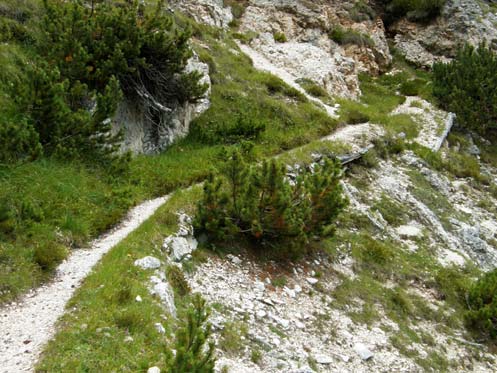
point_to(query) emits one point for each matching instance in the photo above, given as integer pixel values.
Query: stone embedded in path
(323, 359)
(148, 262)
(234, 259)
(305, 369)
(261, 314)
(291, 293)
(299, 324)
(363, 351)
(281, 322)
(259, 286)
(153, 370)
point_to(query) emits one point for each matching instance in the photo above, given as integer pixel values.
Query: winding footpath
(26, 326)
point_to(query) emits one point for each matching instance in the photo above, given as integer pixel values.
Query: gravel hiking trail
(27, 325)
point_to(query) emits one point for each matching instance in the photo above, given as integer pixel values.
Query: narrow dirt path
(26, 326)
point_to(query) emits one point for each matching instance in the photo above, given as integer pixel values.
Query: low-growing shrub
(7, 218)
(232, 337)
(256, 356)
(372, 255)
(400, 302)
(389, 145)
(260, 204)
(463, 165)
(411, 87)
(452, 284)
(370, 159)
(356, 117)
(130, 319)
(482, 303)
(274, 84)
(393, 212)
(79, 72)
(238, 128)
(237, 7)
(48, 254)
(361, 11)
(313, 88)
(414, 10)
(467, 87)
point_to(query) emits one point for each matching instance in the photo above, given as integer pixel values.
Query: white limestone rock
(148, 262)
(409, 231)
(312, 280)
(363, 352)
(180, 247)
(164, 292)
(323, 359)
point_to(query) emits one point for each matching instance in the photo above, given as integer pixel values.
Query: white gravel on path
(26, 326)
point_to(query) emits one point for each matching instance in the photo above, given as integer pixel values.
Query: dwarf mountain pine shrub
(482, 302)
(467, 86)
(260, 204)
(194, 353)
(88, 56)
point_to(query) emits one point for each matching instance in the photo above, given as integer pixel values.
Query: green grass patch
(344, 36)
(313, 88)
(392, 211)
(49, 206)
(379, 98)
(103, 312)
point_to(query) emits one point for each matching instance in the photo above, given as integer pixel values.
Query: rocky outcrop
(461, 21)
(150, 128)
(309, 52)
(209, 12)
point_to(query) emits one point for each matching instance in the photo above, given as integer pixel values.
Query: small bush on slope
(192, 356)
(260, 204)
(482, 301)
(467, 86)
